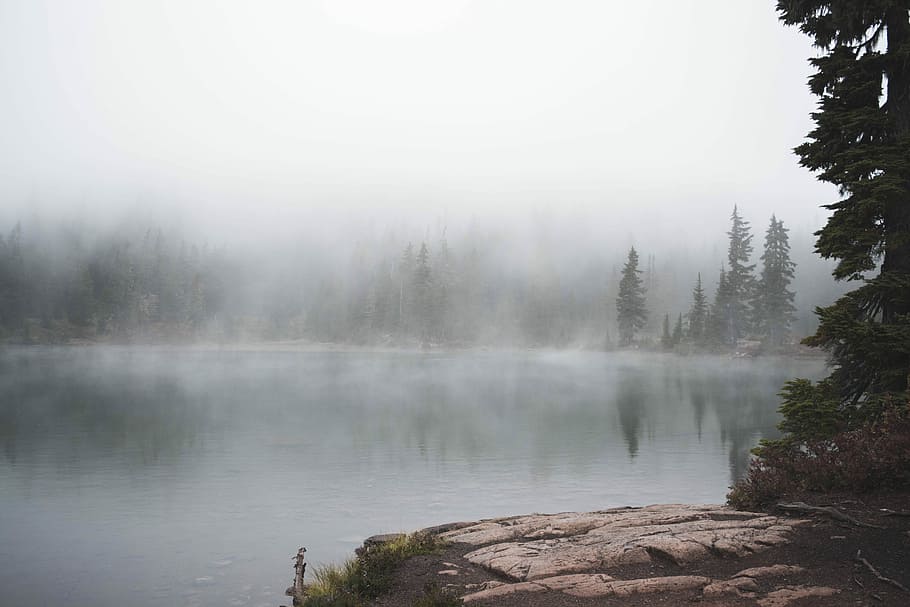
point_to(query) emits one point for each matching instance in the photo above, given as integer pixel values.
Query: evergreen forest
(157, 286)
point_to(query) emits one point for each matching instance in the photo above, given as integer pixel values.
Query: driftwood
(878, 575)
(829, 511)
(888, 512)
(297, 591)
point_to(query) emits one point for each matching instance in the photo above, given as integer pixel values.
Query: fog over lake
(166, 476)
(286, 273)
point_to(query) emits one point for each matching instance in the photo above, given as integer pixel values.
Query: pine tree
(678, 331)
(720, 321)
(698, 314)
(405, 274)
(861, 144)
(666, 340)
(774, 301)
(79, 297)
(423, 294)
(444, 286)
(631, 314)
(740, 282)
(13, 284)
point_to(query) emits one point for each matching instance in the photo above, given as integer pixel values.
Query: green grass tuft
(363, 578)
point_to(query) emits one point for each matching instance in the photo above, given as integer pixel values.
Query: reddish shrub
(873, 456)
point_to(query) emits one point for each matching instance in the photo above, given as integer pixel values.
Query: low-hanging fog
(289, 152)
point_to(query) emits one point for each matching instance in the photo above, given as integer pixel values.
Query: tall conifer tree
(720, 321)
(740, 282)
(405, 297)
(861, 144)
(698, 314)
(678, 330)
(631, 314)
(774, 300)
(423, 293)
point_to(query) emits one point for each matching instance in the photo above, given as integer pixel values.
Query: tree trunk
(897, 209)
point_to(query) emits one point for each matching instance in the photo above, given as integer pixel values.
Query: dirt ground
(826, 549)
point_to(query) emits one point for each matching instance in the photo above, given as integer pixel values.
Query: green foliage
(773, 306)
(630, 303)
(739, 282)
(363, 578)
(677, 331)
(720, 322)
(872, 356)
(852, 430)
(422, 285)
(810, 411)
(13, 288)
(861, 143)
(698, 315)
(666, 340)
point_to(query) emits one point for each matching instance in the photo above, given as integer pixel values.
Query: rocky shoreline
(573, 553)
(669, 555)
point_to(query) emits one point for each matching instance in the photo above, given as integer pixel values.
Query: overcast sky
(241, 111)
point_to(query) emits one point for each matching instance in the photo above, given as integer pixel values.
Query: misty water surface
(189, 477)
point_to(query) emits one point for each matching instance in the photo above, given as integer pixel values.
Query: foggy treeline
(476, 287)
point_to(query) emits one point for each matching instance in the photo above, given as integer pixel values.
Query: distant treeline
(157, 287)
(745, 307)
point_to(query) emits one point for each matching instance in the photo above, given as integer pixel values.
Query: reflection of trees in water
(52, 407)
(487, 411)
(507, 406)
(698, 396)
(484, 409)
(743, 396)
(746, 406)
(631, 400)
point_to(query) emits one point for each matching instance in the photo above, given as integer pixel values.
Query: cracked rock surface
(574, 553)
(670, 555)
(539, 546)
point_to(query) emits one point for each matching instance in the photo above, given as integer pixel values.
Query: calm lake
(167, 477)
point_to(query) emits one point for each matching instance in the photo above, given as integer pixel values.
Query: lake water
(163, 477)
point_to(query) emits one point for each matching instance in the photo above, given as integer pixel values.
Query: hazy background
(273, 119)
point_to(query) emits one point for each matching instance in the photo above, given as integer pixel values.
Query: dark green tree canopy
(721, 318)
(861, 144)
(698, 314)
(773, 299)
(630, 304)
(740, 284)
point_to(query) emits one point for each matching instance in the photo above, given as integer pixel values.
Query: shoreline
(332, 347)
(664, 554)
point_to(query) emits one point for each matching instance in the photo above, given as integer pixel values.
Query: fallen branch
(827, 511)
(888, 512)
(878, 575)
